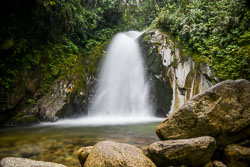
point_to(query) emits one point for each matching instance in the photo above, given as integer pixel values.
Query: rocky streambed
(212, 129)
(60, 144)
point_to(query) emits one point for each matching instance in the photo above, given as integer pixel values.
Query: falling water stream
(120, 111)
(122, 95)
(122, 88)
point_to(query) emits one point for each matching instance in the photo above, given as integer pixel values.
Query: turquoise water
(60, 143)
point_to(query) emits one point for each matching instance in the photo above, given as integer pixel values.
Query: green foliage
(216, 32)
(140, 16)
(55, 39)
(175, 62)
(43, 41)
(57, 36)
(31, 101)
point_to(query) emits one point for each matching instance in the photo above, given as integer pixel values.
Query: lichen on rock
(191, 152)
(24, 162)
(223, 111)
(175, 77)
(112, 154)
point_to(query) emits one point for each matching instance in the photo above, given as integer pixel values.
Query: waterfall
(122, 89)
(122, 95)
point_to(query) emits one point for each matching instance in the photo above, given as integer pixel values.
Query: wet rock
(61, 102)
(112, 154)
(24, 162)
(191, 152)
(237, 155)
(207, 71)
(83, 153)
(50, 104)
(160, 113)
(23, 120)
(245, 143)
(222, 111)
(219, 164)
(174, 78)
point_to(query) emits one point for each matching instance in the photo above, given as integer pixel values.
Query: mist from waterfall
(122, 89)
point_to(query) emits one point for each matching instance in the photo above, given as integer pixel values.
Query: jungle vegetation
(46, 40)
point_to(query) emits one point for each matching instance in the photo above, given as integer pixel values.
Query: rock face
(111, 154)
(237, 155)
(59, 102)
(191, 152)
(173, 75)
(24, 162)
(17, 95)
(222, 111)
(49, 105)
(83, 154)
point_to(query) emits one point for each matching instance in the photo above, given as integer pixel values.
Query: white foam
(122, 88)
(104, 121)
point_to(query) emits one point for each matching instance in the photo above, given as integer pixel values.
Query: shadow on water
(60, 143)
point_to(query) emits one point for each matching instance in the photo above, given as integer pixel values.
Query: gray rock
(50, 104)
(61, 101)
(222, 111)
(112, 154)
(219, 164)
(24, 162)
(191, 152)
(206, 70)
(174, 78)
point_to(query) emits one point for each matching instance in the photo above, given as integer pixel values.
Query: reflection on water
(60, 143)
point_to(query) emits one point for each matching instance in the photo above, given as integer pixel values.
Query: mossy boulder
(23, 120)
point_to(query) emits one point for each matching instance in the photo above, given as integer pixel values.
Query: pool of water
(59, 143)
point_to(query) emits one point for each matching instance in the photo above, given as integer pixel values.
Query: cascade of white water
(122, 89)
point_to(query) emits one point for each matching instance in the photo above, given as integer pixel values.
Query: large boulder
(24, 162)
(191, 152)
(112, 154)
(237, 155)
(223, 111)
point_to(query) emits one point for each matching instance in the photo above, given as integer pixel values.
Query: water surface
(59, 143)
